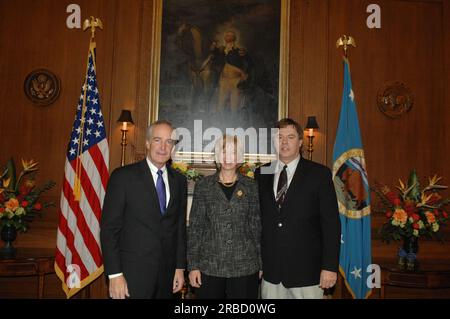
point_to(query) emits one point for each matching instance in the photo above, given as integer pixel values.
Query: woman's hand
(195, 278)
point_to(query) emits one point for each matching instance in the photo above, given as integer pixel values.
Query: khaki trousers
(272, 291)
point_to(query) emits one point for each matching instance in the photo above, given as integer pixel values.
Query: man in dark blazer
(300, 218)
(143, 225)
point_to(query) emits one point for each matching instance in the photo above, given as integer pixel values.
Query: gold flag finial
(93, 23)
(346, 41)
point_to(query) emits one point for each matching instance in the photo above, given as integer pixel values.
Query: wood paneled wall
(412, 46)
(34, 35)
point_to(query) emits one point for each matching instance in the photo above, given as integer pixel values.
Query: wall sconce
(311, 126)
(125, 118)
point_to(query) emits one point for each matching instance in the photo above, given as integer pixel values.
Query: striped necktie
(282, 187)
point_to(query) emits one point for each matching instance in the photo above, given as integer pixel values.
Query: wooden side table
(432, 274)
(30, 262)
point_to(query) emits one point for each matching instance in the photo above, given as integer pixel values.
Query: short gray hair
(151, 126)
(221, 144)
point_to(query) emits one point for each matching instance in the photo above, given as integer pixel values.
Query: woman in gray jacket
(223, 252)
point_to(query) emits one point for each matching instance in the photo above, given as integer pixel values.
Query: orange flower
(430, 217)
(12, 204)
(416, 209)
(400, 216)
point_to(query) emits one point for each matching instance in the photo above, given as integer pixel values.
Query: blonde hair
(221, 145)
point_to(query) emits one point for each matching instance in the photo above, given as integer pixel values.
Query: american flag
(78, 259)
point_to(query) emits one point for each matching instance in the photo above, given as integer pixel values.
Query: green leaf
(44, 188)
(414, 186)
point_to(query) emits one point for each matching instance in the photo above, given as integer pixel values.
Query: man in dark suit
(143, 226)
(300, 218)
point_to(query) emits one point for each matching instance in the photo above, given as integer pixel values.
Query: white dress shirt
(154, 171)
(290, 170)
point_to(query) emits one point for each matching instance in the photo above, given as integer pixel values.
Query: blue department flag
(352, 190)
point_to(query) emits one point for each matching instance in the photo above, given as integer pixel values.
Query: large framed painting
(220, 67)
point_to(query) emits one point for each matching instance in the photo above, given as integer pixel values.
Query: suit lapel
(270, 186)
(172, 188)
(239, 187)
(147, 180)
(297, 180)
(267, 182)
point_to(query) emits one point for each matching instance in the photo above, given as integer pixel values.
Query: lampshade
(125, 116)
(312, 123)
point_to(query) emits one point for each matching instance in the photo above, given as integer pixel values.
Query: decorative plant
(186, 170)
(19, 197)
(412, 210)
(248, 169)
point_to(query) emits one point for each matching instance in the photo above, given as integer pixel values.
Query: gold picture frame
(282, 78)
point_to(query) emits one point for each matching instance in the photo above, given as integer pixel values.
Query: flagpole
(93, 24)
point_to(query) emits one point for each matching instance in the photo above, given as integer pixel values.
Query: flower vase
(408, 253)
(8, 235)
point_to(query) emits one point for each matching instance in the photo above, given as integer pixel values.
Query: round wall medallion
(395, 100)
(42, 87)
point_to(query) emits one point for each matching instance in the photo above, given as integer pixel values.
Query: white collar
(155, 169)
(291, 166)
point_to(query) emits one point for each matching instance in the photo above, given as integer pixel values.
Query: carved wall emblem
(42, 87)
(395, 100)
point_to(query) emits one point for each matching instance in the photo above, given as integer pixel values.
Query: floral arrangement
(186, 170)
(413, 211)
(248, 169)
(19, 197)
